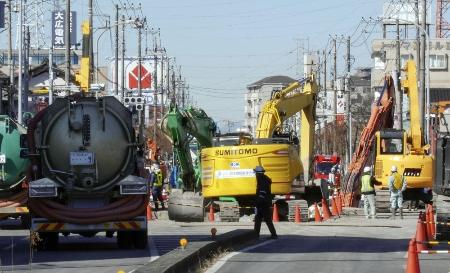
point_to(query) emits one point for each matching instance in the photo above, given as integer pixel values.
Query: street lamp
(427, 72)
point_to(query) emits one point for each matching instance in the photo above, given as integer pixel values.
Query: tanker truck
(13, 169)
(85, 162)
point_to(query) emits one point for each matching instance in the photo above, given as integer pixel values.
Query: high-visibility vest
(365, 184)
(159, 179)
(398, 181)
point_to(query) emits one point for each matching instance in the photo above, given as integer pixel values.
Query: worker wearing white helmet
(368, 183)
(397, 185)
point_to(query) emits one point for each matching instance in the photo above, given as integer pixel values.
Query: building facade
(384, 57)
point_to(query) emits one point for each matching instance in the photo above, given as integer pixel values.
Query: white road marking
(153, 251)
(223, 260)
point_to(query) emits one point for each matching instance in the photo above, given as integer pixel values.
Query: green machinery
(12, 166)
(13, 170)
(182, 126)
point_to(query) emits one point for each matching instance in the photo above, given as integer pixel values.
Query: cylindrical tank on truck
(86, 164)
(13, 169)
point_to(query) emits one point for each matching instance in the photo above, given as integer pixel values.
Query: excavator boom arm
(411, 89)
(181, 125)
(297, 97)
(284, 104)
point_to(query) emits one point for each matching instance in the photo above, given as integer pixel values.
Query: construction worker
(397, 185)
(368, 183)
(263, 201)
(156, 182)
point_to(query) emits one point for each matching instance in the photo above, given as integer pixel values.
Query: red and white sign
(133, 78)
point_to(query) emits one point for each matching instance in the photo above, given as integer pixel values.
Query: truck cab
(323, 166)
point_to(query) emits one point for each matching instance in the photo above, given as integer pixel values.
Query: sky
(224, 45)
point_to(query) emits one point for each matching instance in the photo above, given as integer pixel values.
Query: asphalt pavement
(348, 244)
(97, 254)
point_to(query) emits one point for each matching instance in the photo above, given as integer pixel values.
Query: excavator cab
(392, 148)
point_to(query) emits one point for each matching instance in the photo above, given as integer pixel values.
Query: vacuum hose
(17, 200)
(123, 209)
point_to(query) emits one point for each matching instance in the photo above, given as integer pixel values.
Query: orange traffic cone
(342, 200)
(297, 214)
(317, 217)
(412, 265)
(426, 218)
(149, 212)
(421, 235)
(432, 223)
(275, 217)
(325, 210)
(339, 204)
(211, 213)
(334, 209)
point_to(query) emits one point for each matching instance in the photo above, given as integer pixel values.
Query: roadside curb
(195, 253)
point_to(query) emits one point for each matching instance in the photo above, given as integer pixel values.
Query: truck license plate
(81, 158)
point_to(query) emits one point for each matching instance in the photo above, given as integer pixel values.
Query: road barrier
(420, 244)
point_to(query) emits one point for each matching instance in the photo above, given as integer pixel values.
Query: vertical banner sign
(2, 14)
(58, 24)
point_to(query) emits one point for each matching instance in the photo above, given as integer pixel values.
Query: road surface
(349, 244)
(98, 254)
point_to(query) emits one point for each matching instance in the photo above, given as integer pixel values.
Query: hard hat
(393, 168)
(259, 169)
(367, 169)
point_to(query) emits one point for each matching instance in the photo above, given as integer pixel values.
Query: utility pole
(116, 53)
(91, 45)
(139, 27)
(416, 3)
(10, 61)
(67, 44)
(50, 73)
(349, 113)
(173, 99)
(26, 70)
(335, 94)
(123, 57)
(324, 141)
(398, 123)
(168, 78)
(139, 24)
(19, 95)
(161, 107)
(182, 91)
(155, 93)
(422, 63)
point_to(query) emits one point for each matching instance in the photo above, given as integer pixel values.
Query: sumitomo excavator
(227, 171)
(182, 126)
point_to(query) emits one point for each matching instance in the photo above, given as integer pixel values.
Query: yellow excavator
(227, 171)
(82, 77)
(405, 150)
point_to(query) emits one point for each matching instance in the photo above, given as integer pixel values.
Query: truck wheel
(140, 239)
(25, 221)
(124, 239)
(49, 240)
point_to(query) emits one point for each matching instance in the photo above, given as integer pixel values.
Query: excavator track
(186, 206)
(382, 200)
